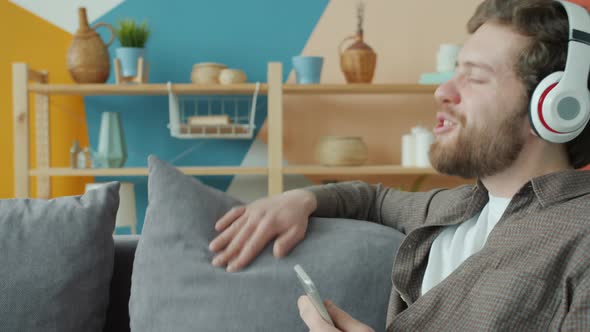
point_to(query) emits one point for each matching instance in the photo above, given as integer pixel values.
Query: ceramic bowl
(206, 72)
(232, 76)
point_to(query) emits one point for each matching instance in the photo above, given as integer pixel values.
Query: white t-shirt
(456, 243)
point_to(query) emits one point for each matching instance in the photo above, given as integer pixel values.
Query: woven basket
(342, 151)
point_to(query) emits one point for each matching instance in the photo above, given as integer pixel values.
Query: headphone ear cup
(533, 125)
(539, 104)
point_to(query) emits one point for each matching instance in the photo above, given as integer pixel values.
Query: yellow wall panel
(28, 38)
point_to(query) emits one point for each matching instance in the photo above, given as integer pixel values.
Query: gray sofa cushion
(175, 287)
(56, 261)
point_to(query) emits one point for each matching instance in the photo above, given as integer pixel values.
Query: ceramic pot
(342, 151)
(308, 69)
(88, 56)
(129, 57)
(206, 73)
(112, 151)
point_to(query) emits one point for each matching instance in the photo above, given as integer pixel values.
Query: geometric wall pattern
(240, 34)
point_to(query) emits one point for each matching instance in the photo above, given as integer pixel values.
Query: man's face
(483, 120)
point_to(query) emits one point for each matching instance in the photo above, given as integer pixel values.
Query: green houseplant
(133, 37)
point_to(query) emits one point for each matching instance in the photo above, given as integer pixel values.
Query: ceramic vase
(112, 151)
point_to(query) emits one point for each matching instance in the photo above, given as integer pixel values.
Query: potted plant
(132, 37)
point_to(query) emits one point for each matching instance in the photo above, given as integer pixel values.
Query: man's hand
(246, 230)
(341, 319)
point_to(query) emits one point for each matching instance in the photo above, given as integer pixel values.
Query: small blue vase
(112, 151)
(308, 69)
(128, 57)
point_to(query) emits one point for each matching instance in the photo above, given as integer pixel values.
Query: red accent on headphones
(540, 109)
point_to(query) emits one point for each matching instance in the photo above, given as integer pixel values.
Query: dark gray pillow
(175, 287)
(56, 261)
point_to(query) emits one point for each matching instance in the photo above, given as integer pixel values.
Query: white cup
(408, 150)
(423, 141)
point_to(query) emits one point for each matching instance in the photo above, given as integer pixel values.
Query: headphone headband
(578, 20)
(577, 66)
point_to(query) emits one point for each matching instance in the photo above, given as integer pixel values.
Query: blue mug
(308, 69)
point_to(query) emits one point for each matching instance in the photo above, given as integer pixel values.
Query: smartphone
(311, 290)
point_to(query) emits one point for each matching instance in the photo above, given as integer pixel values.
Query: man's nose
(447, 93)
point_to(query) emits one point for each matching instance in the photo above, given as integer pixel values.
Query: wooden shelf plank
(312, 89)
(144, 89)
(143, 171)
(228, 170)
(246, 88)
(356, 170)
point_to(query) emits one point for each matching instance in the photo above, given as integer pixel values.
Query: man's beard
(480, 152)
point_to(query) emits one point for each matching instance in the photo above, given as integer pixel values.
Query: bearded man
(512, 251)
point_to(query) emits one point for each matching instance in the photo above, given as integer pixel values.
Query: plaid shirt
(533, 273)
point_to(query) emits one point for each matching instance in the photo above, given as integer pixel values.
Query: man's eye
(476, 80)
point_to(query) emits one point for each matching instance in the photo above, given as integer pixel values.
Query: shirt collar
(560, 186)
(553, 187)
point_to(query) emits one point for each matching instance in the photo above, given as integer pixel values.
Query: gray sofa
(174, 287)
(118, 312)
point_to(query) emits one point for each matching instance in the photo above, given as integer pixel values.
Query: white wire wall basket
(214, 117)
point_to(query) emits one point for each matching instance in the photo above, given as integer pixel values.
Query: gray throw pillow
(175, 287)
(56, 261)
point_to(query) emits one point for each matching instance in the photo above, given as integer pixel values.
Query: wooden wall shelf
(143, 171)
(356, 170)
(275, 89)
(248, 88)
(316, 89)
(142, 89)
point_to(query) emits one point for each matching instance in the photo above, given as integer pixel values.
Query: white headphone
(560, 105)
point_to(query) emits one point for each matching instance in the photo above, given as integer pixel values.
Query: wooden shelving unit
(27, 81)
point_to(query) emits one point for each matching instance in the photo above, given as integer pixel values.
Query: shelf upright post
(275, 128)
(20, 109)
(42, 137)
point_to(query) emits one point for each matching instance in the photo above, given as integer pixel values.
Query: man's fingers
(222, 240)
(227, 254)
(311, 316)
(254, 245)
(344, 321)
(287, 241)
(237, 243)
(228, 218)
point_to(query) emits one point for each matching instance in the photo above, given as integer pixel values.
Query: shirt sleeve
(376, 203)
(578, 317)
